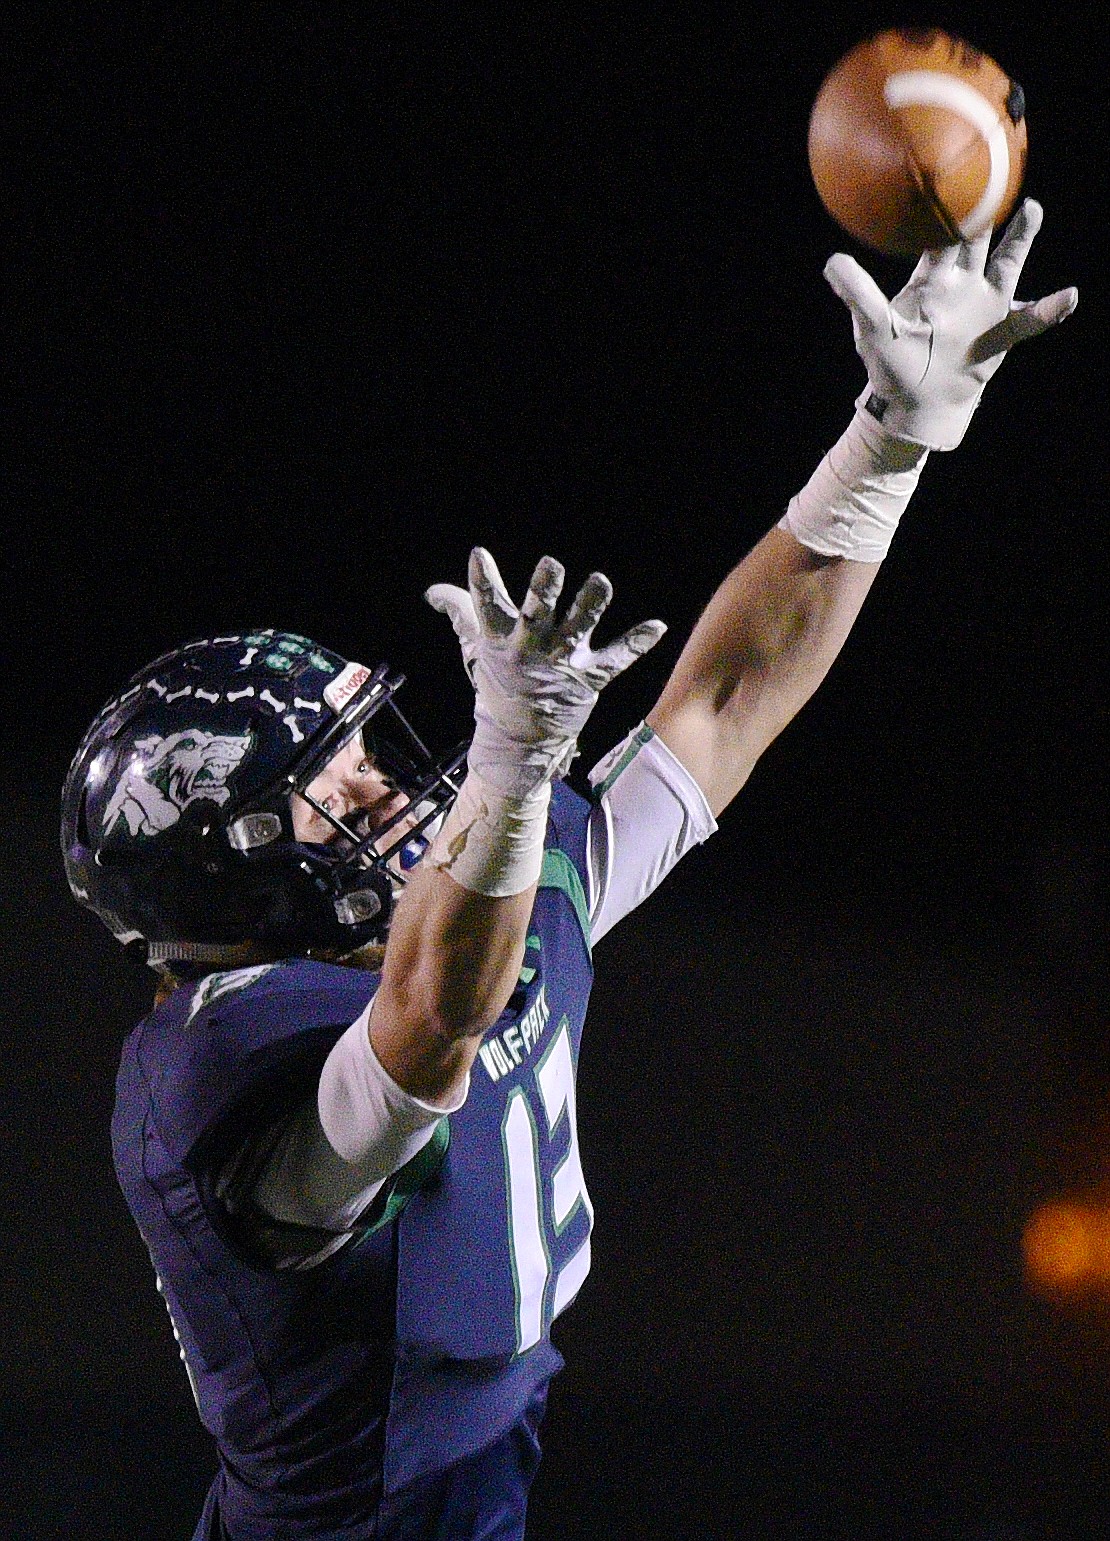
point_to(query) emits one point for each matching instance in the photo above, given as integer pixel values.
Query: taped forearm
(851, 505)
(492, 843)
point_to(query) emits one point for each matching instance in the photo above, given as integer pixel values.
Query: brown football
(917, 140)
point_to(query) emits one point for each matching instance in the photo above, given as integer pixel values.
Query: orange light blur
(1067, 1248)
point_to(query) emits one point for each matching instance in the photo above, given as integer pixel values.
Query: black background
(304, 301)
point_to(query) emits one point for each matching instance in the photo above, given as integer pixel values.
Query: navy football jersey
(423, 1340)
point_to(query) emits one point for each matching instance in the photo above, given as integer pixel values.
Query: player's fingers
(1028, 319)
(458, 606)
(1004, 268)
(859, 291)
(908, 307)
(971, 256)
(495, 610)
(543, 590)
(586, 610)
(617, 657)
(1053, 309)
(1036, 316)
(932, 263)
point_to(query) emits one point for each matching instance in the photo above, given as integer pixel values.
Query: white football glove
(930, 351)
(535, 679)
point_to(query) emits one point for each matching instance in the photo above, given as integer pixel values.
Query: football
(917, 140)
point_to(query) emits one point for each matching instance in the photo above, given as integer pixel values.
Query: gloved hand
(535, 679)
(930, 351)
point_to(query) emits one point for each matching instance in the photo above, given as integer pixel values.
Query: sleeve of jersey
(334, 1155)
(649, 811)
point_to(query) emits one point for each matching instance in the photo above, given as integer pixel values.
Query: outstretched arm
(452, 962)
(759, 651)
(457, 940)
(774, 627)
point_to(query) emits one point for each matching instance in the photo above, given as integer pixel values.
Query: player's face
(349, 786)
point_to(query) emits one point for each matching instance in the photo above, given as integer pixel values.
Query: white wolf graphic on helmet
(172, 773)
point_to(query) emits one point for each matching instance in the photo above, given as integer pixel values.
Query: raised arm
(764, 643)
(762, 646)
(457, 940)
(774, 627)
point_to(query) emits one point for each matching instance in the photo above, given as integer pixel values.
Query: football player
(347, 1129)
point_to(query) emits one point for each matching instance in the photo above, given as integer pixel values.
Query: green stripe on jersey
(642, 736)
(397, 1191)
(527, 972)
(558, 871)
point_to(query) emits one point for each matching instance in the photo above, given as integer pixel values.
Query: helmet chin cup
(177, 827)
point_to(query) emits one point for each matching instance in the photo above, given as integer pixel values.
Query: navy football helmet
(177, 823)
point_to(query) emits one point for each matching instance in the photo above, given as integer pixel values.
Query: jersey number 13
(540, 1211)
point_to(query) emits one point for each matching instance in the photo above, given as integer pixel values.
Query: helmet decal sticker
(346, 685)
(153, 792)
(284, 653)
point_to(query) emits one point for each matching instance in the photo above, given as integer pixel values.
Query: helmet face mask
(177, 813)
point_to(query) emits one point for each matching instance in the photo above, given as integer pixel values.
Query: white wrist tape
(509, 766)
(851, 505)
(492, 843)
